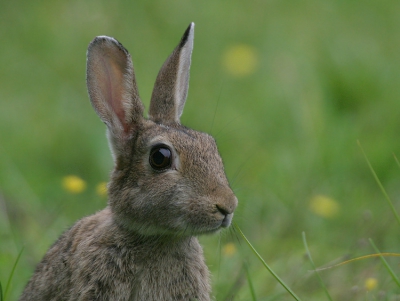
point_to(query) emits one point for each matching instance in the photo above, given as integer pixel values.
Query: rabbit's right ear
(112, 88)
(172, 83)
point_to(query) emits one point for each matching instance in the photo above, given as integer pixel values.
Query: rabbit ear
(172, 83)
(112, 87)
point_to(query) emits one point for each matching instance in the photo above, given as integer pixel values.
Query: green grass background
(328, 74)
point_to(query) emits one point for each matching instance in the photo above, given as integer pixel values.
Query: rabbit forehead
(184, 141)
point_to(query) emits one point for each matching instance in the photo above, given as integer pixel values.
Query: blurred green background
(286, 87)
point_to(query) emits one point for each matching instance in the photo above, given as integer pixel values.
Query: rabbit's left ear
(172, 83)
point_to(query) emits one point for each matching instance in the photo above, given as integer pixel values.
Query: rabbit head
(167, 179)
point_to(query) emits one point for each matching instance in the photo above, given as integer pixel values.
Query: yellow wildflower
(101, 189)
(240, 60)
(370, 284)
(73, 184)
(324, 206)
(229, 249)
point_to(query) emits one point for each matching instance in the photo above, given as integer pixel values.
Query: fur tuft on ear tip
(188, 35)
(105, 42)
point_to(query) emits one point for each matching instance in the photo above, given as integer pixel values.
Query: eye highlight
(160, 157)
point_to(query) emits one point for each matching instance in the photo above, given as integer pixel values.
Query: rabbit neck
(164, 264)
(172, 269)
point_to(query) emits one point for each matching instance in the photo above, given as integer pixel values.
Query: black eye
(160, 157)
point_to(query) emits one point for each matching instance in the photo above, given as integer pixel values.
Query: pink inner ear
(113, 90)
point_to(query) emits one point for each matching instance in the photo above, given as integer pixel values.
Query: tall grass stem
(11, 275)
(380, 184)
(287, 288)
(250, 281)
(394, 277)
(396, 159)
(314, 268)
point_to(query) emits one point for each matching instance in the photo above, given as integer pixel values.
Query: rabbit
(167, 186)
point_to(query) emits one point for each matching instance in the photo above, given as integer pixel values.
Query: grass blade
(12, 274)
(266, 265)
(396, 159)
(359, 258)
(394, 277)
(1, 292)
(251, 286)
(313, 266)
(380, 185)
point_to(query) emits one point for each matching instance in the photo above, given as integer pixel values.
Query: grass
(328, 296)
(388, 268)
(277, 278)
(250, 283)
(4, 296)
(326, 75)
(390, 203)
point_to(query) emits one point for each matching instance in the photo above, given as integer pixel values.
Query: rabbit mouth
(226, 222)
(217, 225)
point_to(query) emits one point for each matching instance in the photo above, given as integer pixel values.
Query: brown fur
(142, 246)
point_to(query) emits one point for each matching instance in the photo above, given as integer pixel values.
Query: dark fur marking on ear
(185, 36)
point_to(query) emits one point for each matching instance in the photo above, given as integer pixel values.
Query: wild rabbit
(167, 186)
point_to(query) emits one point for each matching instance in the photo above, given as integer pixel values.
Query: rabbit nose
(227, 211)
(228, 206)
(224, 210)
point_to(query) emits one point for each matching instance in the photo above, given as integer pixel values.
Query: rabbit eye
(160, 157)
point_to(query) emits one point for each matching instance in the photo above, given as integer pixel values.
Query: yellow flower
(370, 284)
(229, 249)
(101, 189)
(73, 184)
(240, 60)
(324, 206)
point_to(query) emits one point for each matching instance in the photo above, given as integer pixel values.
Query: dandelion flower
(240, 60)
(101, 189)
(370, 284)
(73, 184)
(229, 249)
(324, 206)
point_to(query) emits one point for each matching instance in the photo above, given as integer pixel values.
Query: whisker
(225, 126)
(216, 107)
